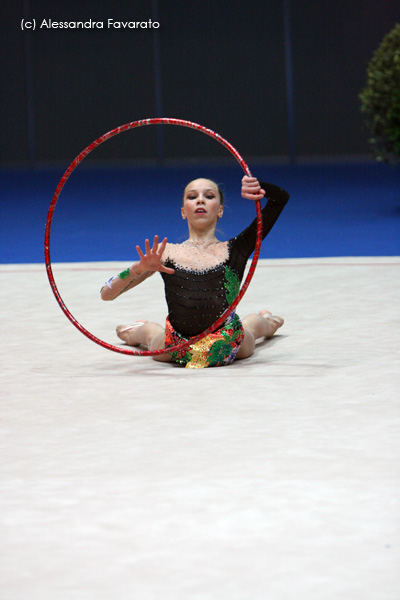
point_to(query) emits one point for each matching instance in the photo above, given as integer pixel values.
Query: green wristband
(125, 274)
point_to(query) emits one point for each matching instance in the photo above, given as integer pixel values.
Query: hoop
(63, 180)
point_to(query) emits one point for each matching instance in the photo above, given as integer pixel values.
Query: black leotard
(197, 298)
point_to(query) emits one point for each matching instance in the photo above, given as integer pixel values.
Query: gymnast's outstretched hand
(151, 260)
(251, 188)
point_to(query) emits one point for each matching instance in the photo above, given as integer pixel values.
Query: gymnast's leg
(148, 334)
(264, 324)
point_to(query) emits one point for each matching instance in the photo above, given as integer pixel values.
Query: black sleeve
(277, 198)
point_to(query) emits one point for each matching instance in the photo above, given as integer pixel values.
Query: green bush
(380, 99)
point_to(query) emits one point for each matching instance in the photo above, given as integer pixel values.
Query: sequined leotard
(207, 278)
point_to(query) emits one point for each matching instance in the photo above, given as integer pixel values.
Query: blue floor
(334, 210)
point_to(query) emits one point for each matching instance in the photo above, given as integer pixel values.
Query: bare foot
(128, 333)
(273, 320)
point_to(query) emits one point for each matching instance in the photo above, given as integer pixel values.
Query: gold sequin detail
(199, 352)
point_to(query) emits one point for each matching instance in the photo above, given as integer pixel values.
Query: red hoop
(63, 180)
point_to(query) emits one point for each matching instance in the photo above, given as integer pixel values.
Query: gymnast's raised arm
(148, 264)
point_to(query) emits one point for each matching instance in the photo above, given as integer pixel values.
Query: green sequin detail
(125, 274)
(218, 352)
(182, 360)
(214, 350)
(232, 285)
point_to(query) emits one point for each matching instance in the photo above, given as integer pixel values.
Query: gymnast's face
(202, 202)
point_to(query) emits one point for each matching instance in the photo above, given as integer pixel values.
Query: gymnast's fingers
(162, 246)
(255, 196)
(147, 246)
(251, 188)
(167, 270)
(155, 244)
(250, 181)
(254, 186)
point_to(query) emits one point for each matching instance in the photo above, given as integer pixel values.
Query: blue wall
(101, 214)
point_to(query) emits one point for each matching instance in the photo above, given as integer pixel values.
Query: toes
(265, 313)
(273, 319)
(277, 321)
(127, 333)
(125, 328)
(122, 332)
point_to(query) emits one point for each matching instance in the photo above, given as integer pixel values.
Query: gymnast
(202, 278)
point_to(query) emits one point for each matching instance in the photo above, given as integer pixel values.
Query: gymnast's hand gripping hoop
(63, 180)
